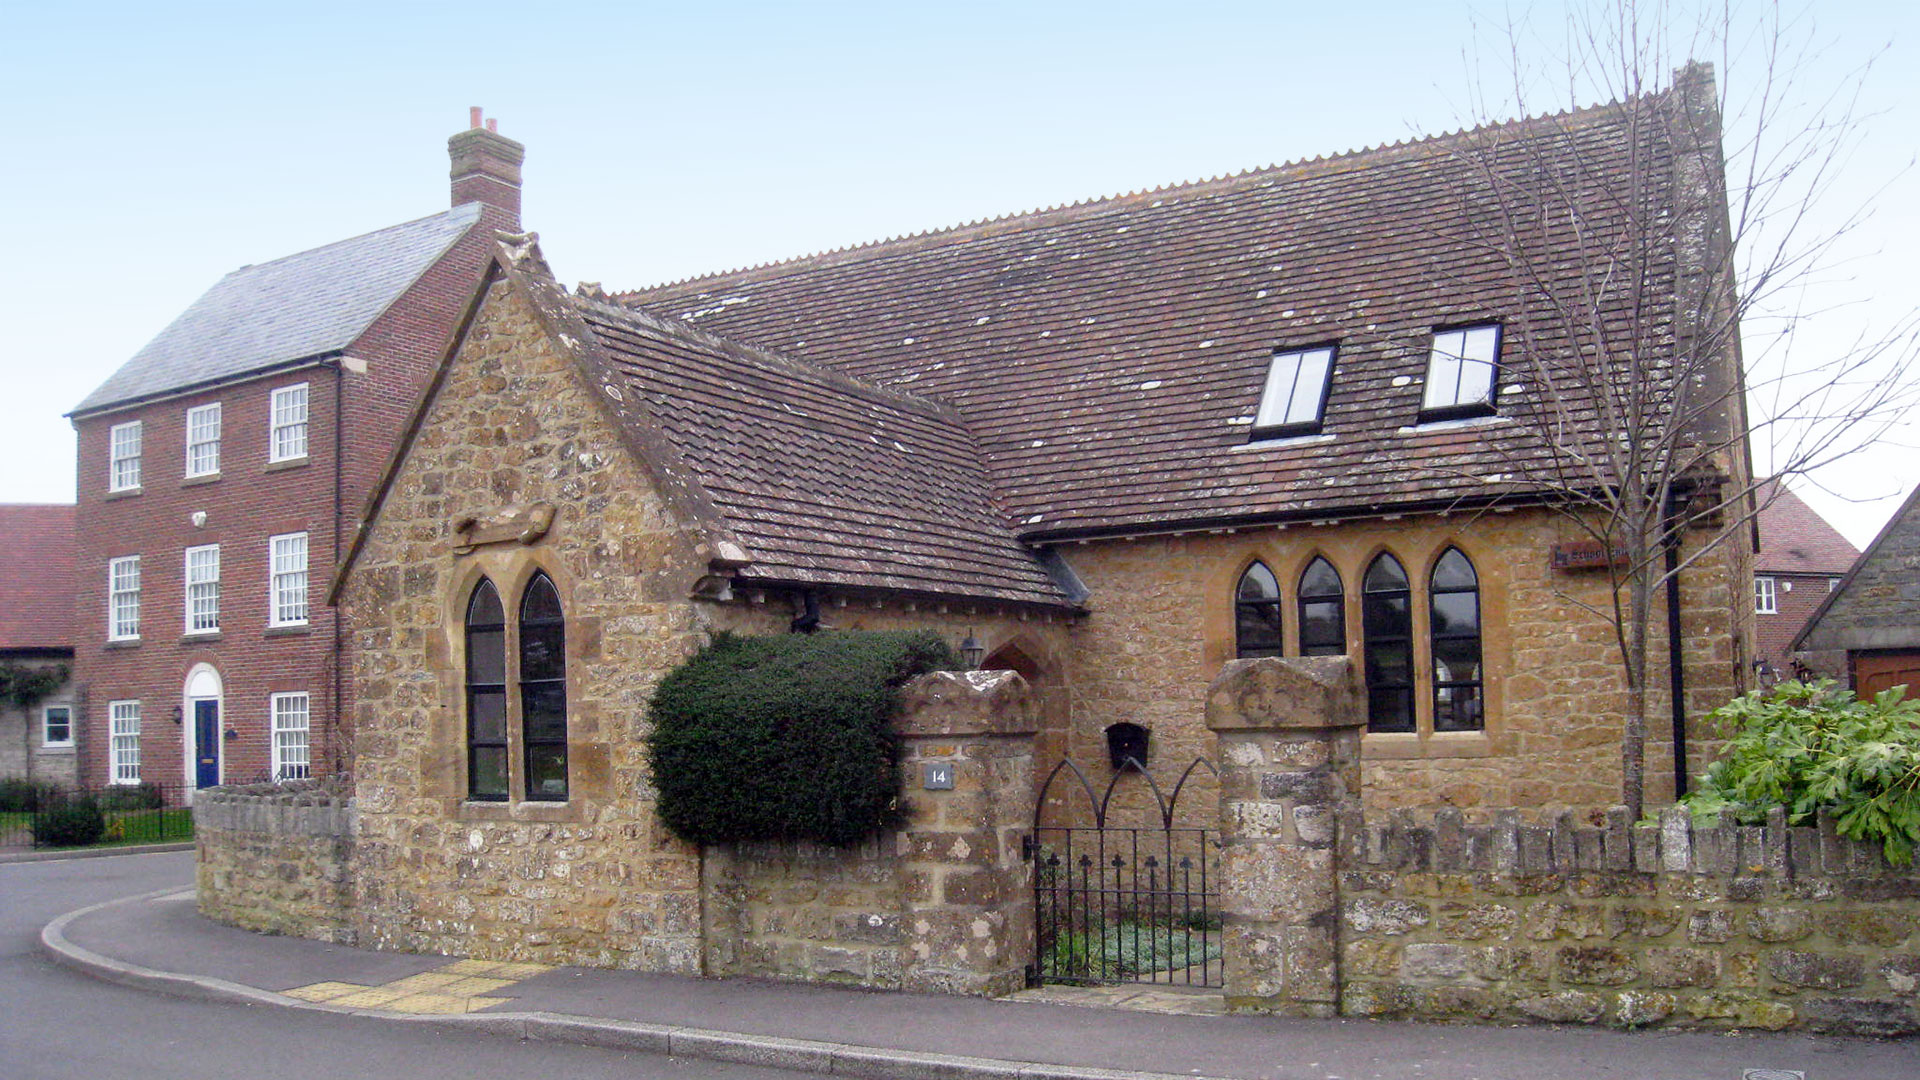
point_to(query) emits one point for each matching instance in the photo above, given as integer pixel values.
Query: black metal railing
(1124, 904)
(39, 815)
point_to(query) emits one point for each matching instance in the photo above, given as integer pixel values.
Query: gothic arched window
(543, 690)
(1323, 611)
(1386, 621)
(1256, 610)
(486, 632)
(1455, 632)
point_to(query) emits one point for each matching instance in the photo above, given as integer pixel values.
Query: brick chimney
(486, 167)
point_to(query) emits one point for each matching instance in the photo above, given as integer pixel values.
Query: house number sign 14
(937, 776)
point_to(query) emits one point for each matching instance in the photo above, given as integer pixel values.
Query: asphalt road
(60, 1025)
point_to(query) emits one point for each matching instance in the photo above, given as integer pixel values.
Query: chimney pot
(473, 116)
(493, 126)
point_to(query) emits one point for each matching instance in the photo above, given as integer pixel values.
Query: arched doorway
(201, 706)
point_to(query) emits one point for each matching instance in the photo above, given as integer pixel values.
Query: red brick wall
(1774, 633)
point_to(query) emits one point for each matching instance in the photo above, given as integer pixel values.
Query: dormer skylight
(1463, 371)
(1295, 399)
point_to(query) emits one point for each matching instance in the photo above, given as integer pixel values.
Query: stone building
(1119, 443)
(1801, 559)
(219, 470)
(36, 635)
(1873, 614)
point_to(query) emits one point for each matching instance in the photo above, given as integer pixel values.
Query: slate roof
(1794, 539)
(36, 577)
(265, 316)
(1877, 604)
(1109, 356)
(825, 480)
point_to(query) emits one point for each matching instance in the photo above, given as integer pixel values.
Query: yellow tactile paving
(460, 987)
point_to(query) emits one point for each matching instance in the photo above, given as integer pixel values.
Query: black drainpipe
(338, 751)
(1676, 669)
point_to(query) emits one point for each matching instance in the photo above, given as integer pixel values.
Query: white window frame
(292, 725)
(46, 720)
(288, 413)
(123, 598)
(203, 440)
(1766, 596)
(286, 583)
(123, 455)
(1294, 400)
(1452, 388)
(123, 742)
(201, 602)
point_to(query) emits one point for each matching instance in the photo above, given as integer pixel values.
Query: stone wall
(278, 859)
(24, 751)
(1627, 925)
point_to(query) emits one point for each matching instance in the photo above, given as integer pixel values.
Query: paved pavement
(158, 941)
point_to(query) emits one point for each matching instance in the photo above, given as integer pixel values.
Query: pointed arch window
(1455, 630)
(1386, 621)
(543, 690)
(486, 633)
(1323, 611)
(1256, 609)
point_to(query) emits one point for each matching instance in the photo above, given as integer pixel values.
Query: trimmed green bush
(19, 795)
(73, 822)
(1805, 747)
(145, 795)
(785, 737)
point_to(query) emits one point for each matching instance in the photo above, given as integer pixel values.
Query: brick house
(219, 469)
(36, 634)
(1118, 444)
(1873, 614)
(1801, 559)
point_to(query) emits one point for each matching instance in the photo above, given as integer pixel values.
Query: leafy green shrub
(785, 737)
(1804, 747)
(19, 795)
(73, 822)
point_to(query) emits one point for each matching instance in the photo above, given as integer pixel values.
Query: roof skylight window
(1295, 399)
(1462, 372)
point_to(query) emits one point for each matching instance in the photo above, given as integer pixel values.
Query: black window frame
(475, 688)
(1299, 427)
(533, 689)
(1374, 613)
(1463, 410)
(1337, 600)
(1245, 607)
(1446, 692)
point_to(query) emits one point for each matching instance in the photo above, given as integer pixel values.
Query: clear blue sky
(153, 148)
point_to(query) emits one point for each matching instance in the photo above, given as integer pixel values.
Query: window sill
(56, 748)
(289, 463)
(200, 637)
(123, 643)
(474, 810)
(289, 630)
(123, 493)
(1410, 745)
(1257, 441)
(1453, 423)
(203, 478)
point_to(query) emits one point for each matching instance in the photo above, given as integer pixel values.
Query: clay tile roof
(36, 577)
(262, 317)
(1796, 540)
(1109, 356)
(825, 480)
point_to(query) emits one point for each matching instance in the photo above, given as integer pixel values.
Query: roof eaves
(1911, 507)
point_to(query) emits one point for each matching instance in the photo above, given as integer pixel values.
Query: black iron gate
(1125, 904)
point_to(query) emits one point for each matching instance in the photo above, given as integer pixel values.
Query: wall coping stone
(967, 703)
(1310, 692)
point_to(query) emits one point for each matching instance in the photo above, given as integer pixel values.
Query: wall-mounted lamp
(972, 652)
(176, 716)
(231, 734)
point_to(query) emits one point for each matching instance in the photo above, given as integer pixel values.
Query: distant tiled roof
(825, 480)
(1109, 356)
(1877, 604)
(36, 577)
(306, 305)
(1796, 540)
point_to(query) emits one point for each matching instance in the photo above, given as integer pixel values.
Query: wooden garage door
(1873, 673)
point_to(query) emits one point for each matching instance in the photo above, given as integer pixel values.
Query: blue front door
(206, 743)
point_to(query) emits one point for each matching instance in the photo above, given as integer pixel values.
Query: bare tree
(1659, 252)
